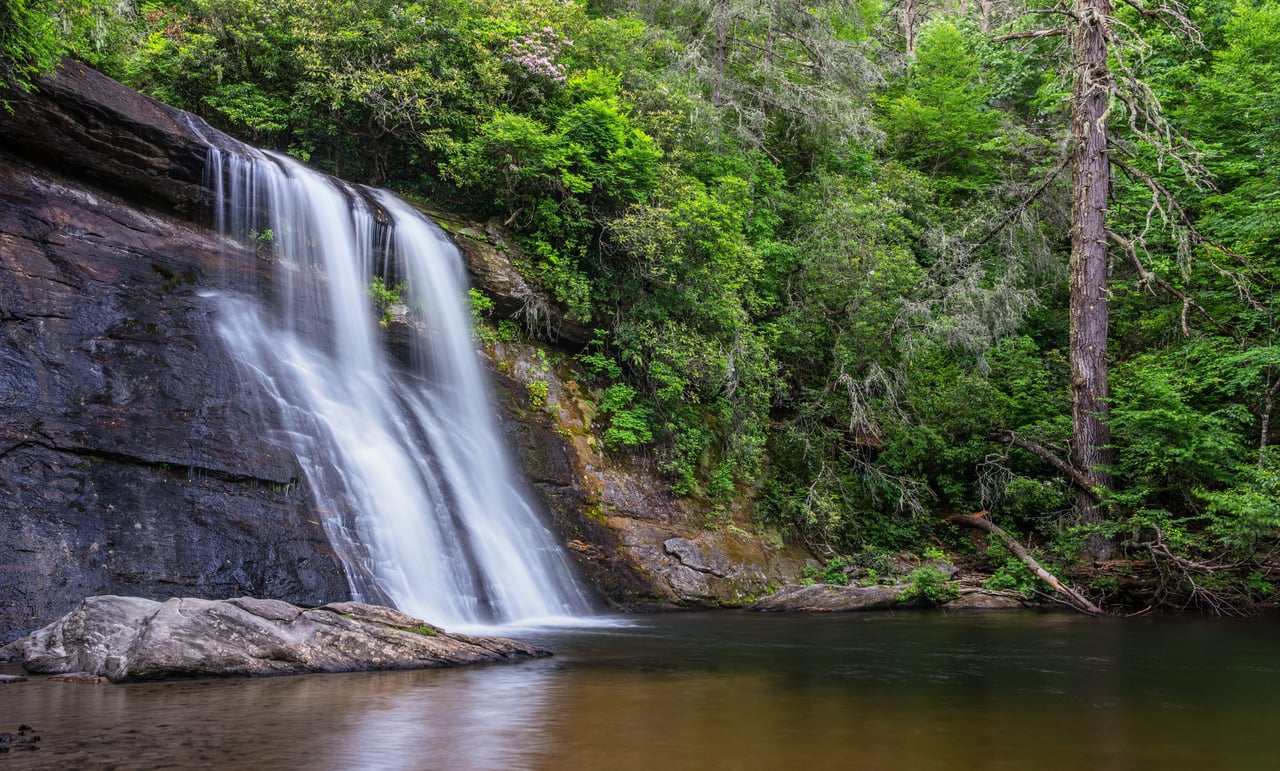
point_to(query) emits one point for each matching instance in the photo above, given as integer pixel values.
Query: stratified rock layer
(132, 638)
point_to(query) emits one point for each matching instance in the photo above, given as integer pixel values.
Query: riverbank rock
(830, 598)
(982, 599)
(132, 638)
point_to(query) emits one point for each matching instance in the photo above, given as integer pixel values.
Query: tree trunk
(720, 49)
(1091, 436)
(910, 25)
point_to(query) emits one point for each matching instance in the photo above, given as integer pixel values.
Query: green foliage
(928, 585)
(1236, 102)
(385, 297)
(29, 45)
(1259, 587)
(1168, 439)
(537, 391)
(834, 572)
(941, 123)
(480, 303)
(1248, 513)
(1013, 576)
(628, 422)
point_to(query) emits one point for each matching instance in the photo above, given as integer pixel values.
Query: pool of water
(995, 690)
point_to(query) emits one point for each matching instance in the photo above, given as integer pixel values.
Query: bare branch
(1167, 205)
(1021, 207)
(1079, 479)
(1147, 277)
(1033, 34)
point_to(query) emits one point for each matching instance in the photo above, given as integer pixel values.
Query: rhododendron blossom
(536, 53)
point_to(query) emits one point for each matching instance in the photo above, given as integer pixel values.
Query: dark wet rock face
(131, 460)
(87, 126)
(131, 638)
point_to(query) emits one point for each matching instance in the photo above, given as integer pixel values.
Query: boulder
(132, 638)
(82, 123)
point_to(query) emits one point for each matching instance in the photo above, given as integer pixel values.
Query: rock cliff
(129, 461)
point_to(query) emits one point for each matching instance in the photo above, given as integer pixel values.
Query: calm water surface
(722, 691)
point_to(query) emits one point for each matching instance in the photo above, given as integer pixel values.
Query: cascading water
(405, 465)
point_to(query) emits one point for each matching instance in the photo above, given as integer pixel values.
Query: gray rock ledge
(829, 598)
(130, 638)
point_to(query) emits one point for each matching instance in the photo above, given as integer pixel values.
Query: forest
(869, 265)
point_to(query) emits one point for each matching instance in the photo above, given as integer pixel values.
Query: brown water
(722, 691)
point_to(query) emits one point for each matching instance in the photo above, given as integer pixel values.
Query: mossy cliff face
(635, 540)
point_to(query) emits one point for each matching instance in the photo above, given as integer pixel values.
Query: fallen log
(1073, 598)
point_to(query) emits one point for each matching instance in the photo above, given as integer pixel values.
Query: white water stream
(404, 464)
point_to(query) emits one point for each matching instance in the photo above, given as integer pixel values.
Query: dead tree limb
(1034, 34)
(1074, 599)
(1017, 210)
(1043, 453)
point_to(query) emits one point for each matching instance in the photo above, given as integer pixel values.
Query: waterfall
(405, 464)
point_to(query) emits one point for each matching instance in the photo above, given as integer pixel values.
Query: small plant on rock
(928, 585)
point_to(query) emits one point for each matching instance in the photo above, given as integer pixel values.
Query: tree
(940, 122)
(1108, 91)
(1091, 185)
(777, 74)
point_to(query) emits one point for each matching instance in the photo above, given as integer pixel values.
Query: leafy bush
(928, 585)
(537, 391)
(628, 422)
(833, 573)
(1012, 576)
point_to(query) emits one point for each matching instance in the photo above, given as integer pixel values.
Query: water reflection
(725, 691)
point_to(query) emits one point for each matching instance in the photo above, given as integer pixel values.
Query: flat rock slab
(131, 638)
(817, 598)
(984, 600)
(80, 678)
